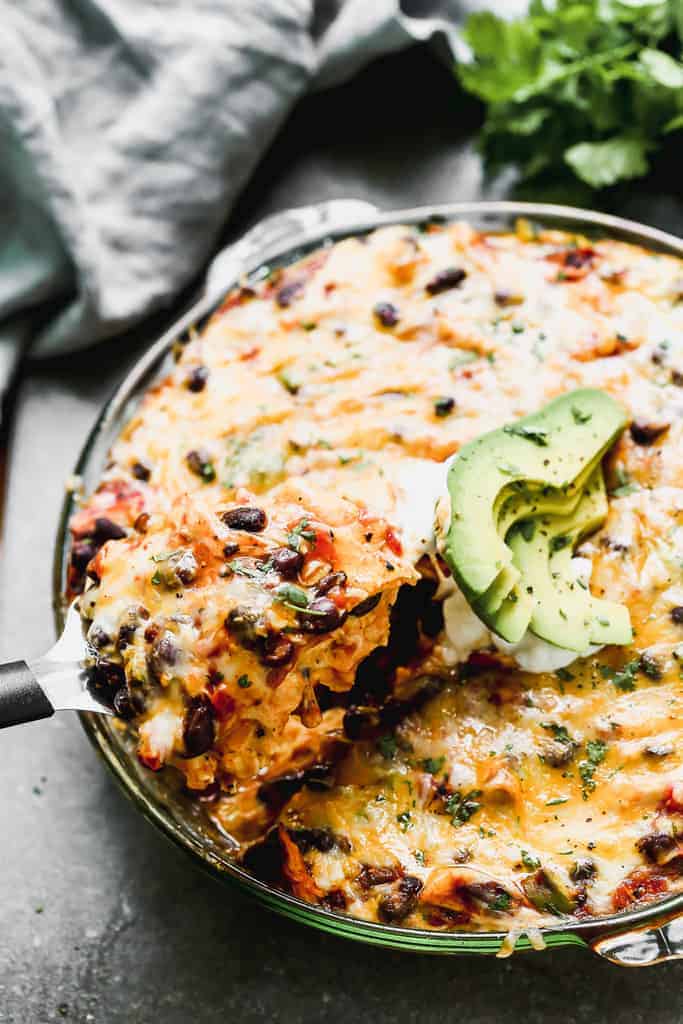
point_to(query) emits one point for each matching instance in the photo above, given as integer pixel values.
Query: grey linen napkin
(128, 128)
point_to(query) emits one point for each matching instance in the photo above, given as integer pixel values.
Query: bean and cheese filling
(265, 602)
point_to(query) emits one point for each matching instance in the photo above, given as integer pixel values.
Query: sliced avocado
(608, 622)
(499, 589)
(565, 613)
(547, 891)
(512, 617)
(548, 449)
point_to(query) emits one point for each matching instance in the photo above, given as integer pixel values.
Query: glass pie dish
(638, 937)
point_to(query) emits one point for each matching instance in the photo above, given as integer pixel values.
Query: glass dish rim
(132, 389)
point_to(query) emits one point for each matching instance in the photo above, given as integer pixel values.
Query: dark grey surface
(100, 919)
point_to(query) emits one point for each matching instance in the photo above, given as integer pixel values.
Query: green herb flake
(433, 765)
(462, 807)
(538, 435)
(291, 595)
(387, 746)
(527, 528)
(596, 751)
(529, 861)
(244, 682)
(580, 416)
(405, 821)
(556, 801)
(299, 533)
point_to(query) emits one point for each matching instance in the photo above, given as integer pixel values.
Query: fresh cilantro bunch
(593, 86)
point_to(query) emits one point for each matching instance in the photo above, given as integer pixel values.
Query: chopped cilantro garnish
(462, 807)
(596, 751)
(291, 596)
(298, 533)
(559, 732)
(529, 861)
(433, 765)
(405, 821)
(244, 682)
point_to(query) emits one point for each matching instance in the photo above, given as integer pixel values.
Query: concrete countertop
(100, 918)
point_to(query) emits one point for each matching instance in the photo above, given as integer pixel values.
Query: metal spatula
(31, 690)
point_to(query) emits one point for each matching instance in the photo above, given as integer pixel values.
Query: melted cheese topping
(324, 400)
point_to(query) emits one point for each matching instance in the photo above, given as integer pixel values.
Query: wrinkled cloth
(128, 128)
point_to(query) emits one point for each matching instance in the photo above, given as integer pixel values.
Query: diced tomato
(393, 542)
(673, 798)
(222, 702)
(485, 659)
(119, 500)
(323, 546)
(150, 761)
(641, 885)
(575, 263)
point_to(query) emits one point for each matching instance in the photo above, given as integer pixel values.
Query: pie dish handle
(279, 231)
(652, 943)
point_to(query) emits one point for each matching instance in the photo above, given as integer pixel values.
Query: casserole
(269, 244)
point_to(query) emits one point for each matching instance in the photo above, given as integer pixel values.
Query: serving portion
(267, 598)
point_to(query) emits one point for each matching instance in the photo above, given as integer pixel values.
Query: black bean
(141, 470)
(97, 636)
(334, 900)
(230, 549)
(126, 634)
(321, 839)
(584, 870)
(82, 552)
(185, 567)
(333, 579)
(196, 378)
(650, 667)
(402, 902)
(126, 704)
(321, 616)
(199, 728)
(659, 749)
(677, 615)
(286, 562)
(253, 520)
(200, 463)
(246, 626)
(445, 280)
(444, 407)
(278, 649)
(276, 792)
(106, 530)
(387, 314)
(655, 845)
(165, 652)
(109, 674)
(371, 875)
(578, 258)
(647, 433)
(286, 295)
(366, 606)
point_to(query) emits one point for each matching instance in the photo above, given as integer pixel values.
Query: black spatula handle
(22, 699)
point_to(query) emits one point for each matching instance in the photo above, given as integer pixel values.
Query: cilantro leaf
(578, 93)
(604, 163)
